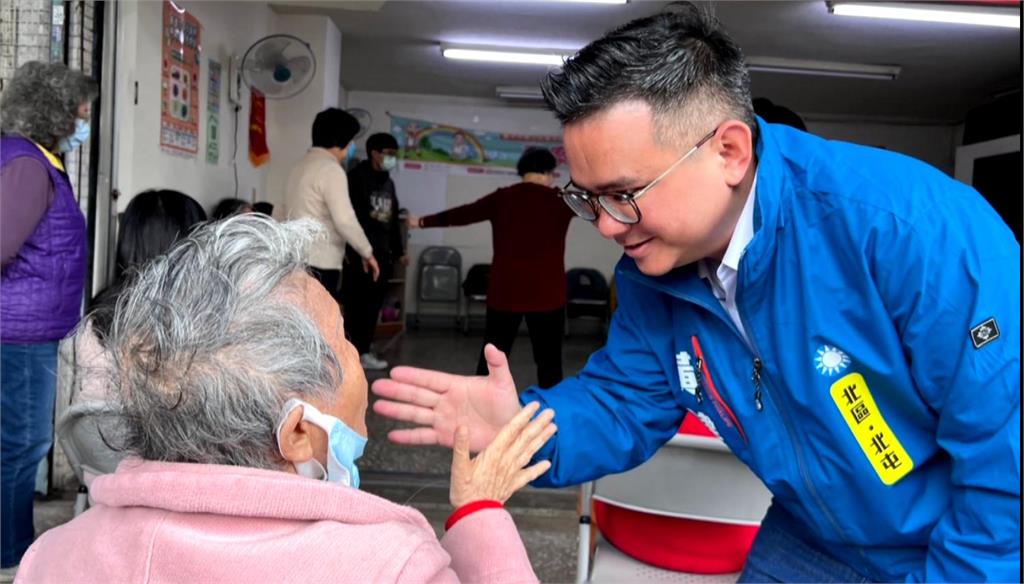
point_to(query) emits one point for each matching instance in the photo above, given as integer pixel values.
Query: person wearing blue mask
(376, 205)
(318, 188)
(244, 453)
(81, 136)
(46, 110)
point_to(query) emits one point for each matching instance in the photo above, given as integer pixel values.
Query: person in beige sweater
(318, 188)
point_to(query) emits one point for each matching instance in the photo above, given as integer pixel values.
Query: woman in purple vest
(45, 113)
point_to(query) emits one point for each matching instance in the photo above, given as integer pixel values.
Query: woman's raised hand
(501, 469)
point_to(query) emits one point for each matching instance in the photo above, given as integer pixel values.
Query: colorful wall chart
(213, 115)
(179, 81)
(431, 142)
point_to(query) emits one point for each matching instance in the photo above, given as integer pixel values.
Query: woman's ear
(295, 441)
(736, 149)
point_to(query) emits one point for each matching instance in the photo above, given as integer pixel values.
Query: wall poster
(473, 151)
(179, 81)
(213, 115)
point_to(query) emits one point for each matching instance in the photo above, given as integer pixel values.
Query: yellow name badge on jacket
(876, 439)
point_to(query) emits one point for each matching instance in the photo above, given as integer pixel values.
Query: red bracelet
(470, 508)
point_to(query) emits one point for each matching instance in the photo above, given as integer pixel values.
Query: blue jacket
(880, 401)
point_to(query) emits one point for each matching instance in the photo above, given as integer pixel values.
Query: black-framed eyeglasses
(621, 206)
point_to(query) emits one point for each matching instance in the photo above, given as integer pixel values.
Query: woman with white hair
(244, 407)
(43, 244)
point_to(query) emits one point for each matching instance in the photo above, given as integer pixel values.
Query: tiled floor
(419, 476)
(446, 349)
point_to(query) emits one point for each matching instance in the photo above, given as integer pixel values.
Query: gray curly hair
(42, 100)
(208, 343)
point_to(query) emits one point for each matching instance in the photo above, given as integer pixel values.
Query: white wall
(342, 97)
(229, 28)
(935, 145)
(139, 162)
(290, 121)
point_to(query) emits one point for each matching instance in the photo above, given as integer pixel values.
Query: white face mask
(344, 446)
(388, 163)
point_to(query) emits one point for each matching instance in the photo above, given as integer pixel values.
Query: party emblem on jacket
(984, 333)
(830, 360)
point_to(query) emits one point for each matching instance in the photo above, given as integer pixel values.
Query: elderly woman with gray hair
(45, 112)
(244, 406)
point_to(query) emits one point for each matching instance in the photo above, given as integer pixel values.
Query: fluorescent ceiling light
(822, 68)
(592, 1)
(550, 57)
(1007, 17)
(517, 92)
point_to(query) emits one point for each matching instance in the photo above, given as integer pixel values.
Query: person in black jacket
(373, 198)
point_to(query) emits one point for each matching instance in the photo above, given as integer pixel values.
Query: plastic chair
(85, 433)
(440, 276)
(586, 295)
(474, 290)
(692, 491)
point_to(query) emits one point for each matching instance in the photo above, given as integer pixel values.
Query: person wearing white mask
(46, 109)
(243, 407)
(376, 205)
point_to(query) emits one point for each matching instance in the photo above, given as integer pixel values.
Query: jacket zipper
(703, 373)
(700, 380)
(758, 379)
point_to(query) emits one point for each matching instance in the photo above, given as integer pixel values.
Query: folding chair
(586, 295)
(439, 279)
(695, 486)
(474, 291)
(86, 433)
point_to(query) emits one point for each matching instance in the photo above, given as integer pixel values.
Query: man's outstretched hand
(438, 402)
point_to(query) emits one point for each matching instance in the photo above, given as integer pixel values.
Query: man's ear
(296, 444)
(736, 149)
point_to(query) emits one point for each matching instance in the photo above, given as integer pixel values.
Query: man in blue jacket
(846, 319)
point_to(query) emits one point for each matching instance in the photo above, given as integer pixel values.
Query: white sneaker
(370, 362)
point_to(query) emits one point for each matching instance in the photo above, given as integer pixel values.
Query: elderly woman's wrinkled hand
(500, 470)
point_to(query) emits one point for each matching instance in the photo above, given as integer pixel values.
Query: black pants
(328, 279)
(362, 299)
(546, 332)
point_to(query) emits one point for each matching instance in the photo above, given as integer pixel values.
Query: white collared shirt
(723, 279)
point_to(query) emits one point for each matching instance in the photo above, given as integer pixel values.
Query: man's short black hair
(678, 61)
(379, 142)
(263, 207)
(539, 160)
(228, 207)
(334, 127)
(778, 114)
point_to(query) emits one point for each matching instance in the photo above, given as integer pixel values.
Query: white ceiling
(946, 69)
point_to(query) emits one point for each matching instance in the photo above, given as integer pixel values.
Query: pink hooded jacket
(165, 522)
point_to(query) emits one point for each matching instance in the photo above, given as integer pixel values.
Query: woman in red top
(527, 277)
